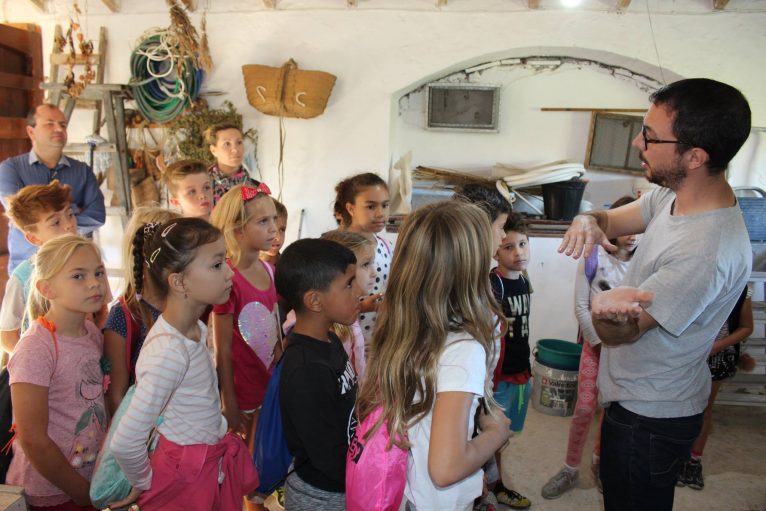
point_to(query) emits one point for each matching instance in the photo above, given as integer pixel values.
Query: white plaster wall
(527, 136)
(380, 50)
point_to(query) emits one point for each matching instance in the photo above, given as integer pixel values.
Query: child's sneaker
(560, 483)
(488, 503)
(512, 499)
(693, 474)
(279, 493)
(681, 481)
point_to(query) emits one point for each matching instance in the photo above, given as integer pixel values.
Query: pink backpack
(375, 474)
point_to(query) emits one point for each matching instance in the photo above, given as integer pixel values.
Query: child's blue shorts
(514, 399)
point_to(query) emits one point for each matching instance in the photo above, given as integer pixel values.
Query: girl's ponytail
(138, 261)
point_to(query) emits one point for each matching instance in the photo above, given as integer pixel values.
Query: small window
(609, 144)
(463, 107)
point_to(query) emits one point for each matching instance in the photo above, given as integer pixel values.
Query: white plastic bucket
(554, 391)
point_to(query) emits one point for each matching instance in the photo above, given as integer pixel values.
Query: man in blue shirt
(46, 127)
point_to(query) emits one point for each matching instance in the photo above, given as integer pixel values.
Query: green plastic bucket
(558, 354)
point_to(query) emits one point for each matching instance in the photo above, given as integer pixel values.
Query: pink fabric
(375, 474)
(587, 399)
(76, 412)
(355, 349)
(186, 477)
(254, 336)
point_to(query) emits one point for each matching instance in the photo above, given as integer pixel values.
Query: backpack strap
(591, 265)
(385, 244)
(494, 273)
(131, 340)
(49, 326)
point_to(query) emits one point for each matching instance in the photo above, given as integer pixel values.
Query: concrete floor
(734, 464)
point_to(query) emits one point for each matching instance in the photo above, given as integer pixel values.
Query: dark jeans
(641, 458)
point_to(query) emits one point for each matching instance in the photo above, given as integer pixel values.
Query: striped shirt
(174, 378)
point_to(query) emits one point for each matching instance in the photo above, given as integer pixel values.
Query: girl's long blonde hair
(49, 261)
(230, 216)
(133, 274)
(439, 283)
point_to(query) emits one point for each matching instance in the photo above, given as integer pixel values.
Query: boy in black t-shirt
(318, 385)
(513, 372)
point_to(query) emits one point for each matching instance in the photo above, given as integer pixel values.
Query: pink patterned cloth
(256, 331)
(587, 399)
(200, 477)
(356, 349)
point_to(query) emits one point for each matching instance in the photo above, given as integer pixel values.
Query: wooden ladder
(111, 98)
(59, 60)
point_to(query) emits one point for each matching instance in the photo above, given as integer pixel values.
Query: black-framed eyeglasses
(648, 140)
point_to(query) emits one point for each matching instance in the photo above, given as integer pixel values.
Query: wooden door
(21, 71)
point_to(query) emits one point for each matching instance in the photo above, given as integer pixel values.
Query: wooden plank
(14, 81)
(99, 77)
(623, 4)
(104, 147)
(112, 5)
(533, 4)
(40, 4)
(565, 109)
(13, 127)
(720, 5)
(61, 59)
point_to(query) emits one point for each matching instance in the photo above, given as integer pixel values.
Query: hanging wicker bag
(287, 91)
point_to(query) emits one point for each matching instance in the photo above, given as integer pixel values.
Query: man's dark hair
(310, 264)
(487, 197)
(707, 114)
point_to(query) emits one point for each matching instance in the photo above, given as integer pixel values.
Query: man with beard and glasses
(691, 266)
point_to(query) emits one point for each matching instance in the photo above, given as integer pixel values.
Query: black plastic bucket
(562, 200)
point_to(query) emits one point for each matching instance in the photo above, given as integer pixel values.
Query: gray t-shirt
(697, 266)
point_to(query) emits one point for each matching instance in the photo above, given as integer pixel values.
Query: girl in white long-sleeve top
(196, 465)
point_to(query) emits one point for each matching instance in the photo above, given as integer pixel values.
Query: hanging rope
(163, 83)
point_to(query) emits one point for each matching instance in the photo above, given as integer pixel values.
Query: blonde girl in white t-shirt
(431, 353)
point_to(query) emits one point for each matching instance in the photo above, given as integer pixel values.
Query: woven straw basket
(287, 91)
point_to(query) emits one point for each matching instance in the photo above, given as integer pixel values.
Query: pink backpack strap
(385, 243)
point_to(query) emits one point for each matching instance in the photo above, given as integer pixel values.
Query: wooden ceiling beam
(112, 5)
(40, 4)
(623, 4)
(533, 4)
(720, 5)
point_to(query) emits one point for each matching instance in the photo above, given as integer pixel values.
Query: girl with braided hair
(136, 311)
(196, 465)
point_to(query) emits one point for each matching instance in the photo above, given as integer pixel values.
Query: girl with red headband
(246, 328)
